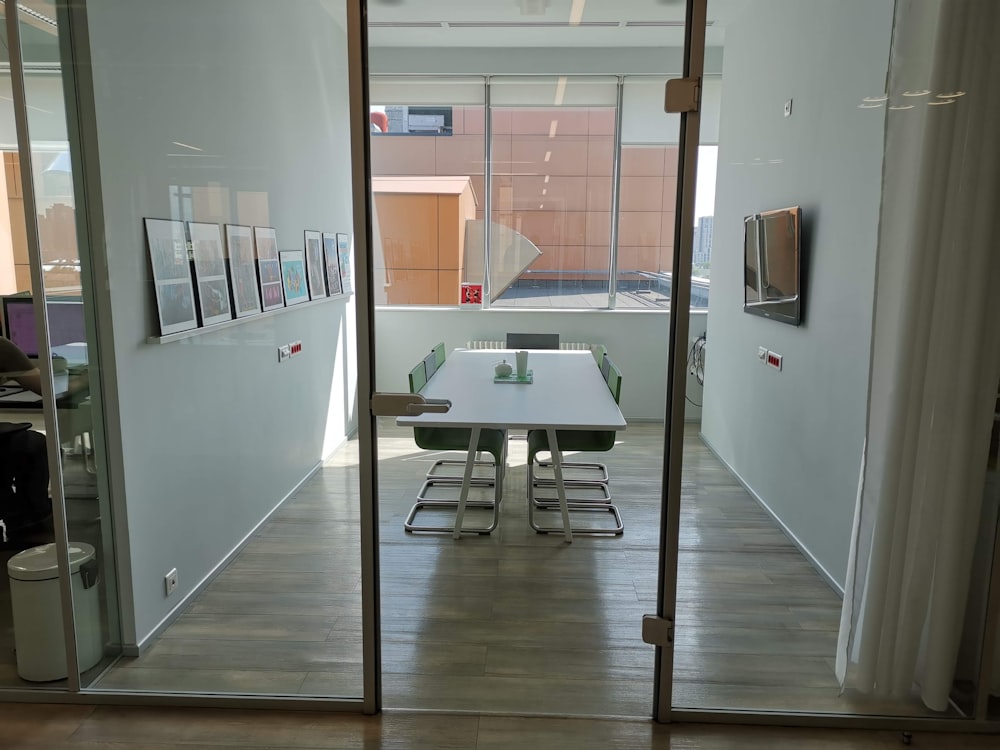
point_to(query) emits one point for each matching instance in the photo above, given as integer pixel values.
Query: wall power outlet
(170, 582)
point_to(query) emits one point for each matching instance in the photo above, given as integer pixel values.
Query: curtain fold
(935, 355)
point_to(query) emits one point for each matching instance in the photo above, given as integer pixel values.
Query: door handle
(407, 405)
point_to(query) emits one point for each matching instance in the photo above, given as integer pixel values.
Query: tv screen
(772, 252)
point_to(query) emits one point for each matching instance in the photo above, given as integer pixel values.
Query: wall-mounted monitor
(772, 253)
(66, 324)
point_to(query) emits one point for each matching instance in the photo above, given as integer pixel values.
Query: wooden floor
(37, 727)
(514, 622)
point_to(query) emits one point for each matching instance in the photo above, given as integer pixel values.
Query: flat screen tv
(772, 252)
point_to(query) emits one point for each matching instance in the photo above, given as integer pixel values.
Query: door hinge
(657, 631)
(682, 95)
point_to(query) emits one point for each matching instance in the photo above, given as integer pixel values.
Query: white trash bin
(37, 607)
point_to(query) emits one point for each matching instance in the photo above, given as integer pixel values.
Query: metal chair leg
(591, 506)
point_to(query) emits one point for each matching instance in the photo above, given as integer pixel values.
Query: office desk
(568, 393)
(72, 406)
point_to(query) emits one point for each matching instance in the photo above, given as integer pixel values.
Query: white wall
(636, 341)
(214, 431)
(795, 437)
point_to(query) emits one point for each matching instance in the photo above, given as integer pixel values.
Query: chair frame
(418, 379)
(613, 378)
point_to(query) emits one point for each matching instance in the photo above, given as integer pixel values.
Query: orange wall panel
(567, 156)
(539, 122)
(644, 161)
(599, 228)
(600, 156)
(448, 283)
(562, 257)
(639, 228)
(412, 287)
(408, 225)
(403, 154)
(460, 155)
(641, 194)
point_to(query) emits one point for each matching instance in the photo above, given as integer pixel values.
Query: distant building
(703, 240)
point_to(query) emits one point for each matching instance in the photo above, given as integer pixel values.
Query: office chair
(24, 482)
(430, 364)
(600, 351)
(439, 355)
(591, 441)
(491, 441)
(532, 340)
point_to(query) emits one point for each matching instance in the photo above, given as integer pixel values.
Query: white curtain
(935, 354)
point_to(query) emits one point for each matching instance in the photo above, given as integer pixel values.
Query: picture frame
(242, 270)
(344, 258)
(293, 276)
(210, 273)
(332, 264)
(167, 245)
(272, 292)
(314, 264)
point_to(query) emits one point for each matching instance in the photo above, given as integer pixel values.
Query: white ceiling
(540, 23)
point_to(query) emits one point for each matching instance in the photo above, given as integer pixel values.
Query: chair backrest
(430, 365)
(439, 354)
(418, 377)
(613, 377)
(532, 340)
(605, 367)
(600, 351)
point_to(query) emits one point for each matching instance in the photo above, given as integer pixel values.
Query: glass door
(521, 192)
(809, 510)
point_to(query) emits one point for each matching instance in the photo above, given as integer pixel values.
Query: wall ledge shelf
(181, 335)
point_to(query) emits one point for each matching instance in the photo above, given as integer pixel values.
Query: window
(428, 155)
(553, 170)
(561, 224)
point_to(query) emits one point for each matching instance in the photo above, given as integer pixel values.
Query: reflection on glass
(553, 153)
(428, 161)
(74, 361)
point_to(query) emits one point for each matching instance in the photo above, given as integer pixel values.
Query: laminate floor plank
(514, 621)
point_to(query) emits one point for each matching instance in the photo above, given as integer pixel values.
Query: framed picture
(269, 268)
(293, 276)
(211, 277)
(344, 254)
(168, 257)
(332, 264)
(314, 265)
(243, 270)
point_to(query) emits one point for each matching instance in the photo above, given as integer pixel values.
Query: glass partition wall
(237, 489)
(838, 501)
(57, 512)
(225, 591)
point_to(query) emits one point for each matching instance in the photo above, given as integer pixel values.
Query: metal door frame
(680, 314)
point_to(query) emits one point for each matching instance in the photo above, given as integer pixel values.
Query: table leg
(560, 487)
(470, 464)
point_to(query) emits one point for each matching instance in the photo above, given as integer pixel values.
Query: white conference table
(568, 393)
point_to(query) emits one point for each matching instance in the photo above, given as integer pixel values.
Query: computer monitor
(66, 324)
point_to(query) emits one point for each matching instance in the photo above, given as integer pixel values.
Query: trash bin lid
(41, 564)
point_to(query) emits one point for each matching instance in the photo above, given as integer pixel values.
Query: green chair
(491, 441)
(430, 365)
(439, 354)
(600, 351)
(590, 441)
